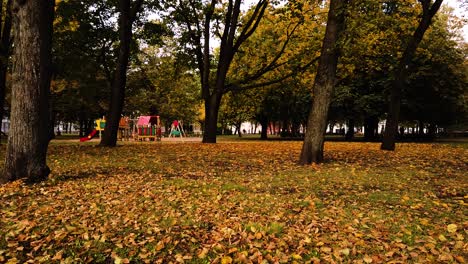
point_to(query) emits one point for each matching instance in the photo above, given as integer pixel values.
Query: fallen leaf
(452, 228)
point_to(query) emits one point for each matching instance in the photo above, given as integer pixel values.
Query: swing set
(177, 129)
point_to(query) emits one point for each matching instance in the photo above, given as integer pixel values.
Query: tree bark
(312, 149)
(126, 19)
(401, 74)
(5, 47)
(211, 118)
(28, 138)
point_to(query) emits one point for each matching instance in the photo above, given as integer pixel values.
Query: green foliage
(160, 84)
(287, 39)
(371, 48)
(83, 56)
(439, 82)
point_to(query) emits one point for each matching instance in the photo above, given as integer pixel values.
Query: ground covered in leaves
(241, 202)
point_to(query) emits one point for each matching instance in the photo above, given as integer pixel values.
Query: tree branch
(135, 9)
(206, 50)
(239, 87)
(251, 24)
(272, 65)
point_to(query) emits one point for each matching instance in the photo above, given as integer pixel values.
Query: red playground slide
(90, 136)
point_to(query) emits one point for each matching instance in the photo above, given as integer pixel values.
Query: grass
(246, 200)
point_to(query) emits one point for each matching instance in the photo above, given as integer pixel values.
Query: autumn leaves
(239, 203)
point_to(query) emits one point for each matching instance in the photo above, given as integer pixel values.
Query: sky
(460, 12)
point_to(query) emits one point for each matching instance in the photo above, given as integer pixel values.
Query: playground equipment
(148, 127)
(100, 125)
(176, 129)
(89, 137)
(124, 131)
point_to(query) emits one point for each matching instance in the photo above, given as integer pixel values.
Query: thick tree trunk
(401, 74)
(28, 138)
(312, 149)
(211, 118)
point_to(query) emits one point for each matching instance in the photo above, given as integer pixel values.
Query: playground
(143, 128)
(240, 201)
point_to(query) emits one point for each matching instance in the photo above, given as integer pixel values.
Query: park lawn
(240, 202)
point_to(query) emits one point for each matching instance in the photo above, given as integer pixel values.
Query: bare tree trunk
(401, 74)
(28, 138)
(211, 118)
(312, 149)
(127, 16)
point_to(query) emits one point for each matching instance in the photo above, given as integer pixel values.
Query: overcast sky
(460, 12)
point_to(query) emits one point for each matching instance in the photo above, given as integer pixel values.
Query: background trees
(400, 74)
(163, 84)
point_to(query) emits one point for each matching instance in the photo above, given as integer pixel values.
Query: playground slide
(90, 136)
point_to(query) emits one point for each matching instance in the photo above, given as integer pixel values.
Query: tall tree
(200, 20)
(128, 13)
(28, 137)
(5, 46)
(400, 74)
(312, 149)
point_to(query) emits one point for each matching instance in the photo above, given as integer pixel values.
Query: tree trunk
(371, 124)
(5, 46)
(89, 126)
(127, 16)
(401, 74)
(28, 137)
(421, 128)
(3, 73)
(264, 124)
(350, 132)
(211, 118)
(432, 130)
(312, 149)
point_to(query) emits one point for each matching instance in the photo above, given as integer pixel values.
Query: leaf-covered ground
(242, 202)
